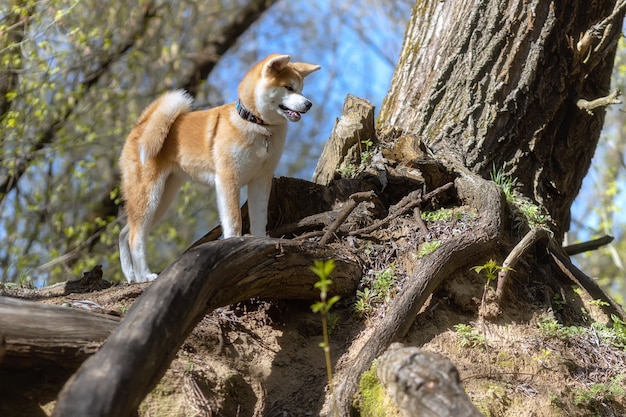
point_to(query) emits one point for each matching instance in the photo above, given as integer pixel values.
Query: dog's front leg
(227, 190)
(258, 198)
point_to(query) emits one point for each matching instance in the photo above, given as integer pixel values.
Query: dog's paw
(146, 278)
(151, 277)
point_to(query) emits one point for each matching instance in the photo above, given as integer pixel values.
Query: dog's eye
(289, 88)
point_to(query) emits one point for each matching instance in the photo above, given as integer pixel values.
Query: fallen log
(41, 335)
(115, 380)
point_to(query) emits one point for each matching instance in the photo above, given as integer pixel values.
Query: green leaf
(317, 307)
(332, 301)
(323, 269)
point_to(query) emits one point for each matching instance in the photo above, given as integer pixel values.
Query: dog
(230, 146)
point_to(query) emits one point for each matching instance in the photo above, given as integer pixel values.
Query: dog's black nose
(308, 105)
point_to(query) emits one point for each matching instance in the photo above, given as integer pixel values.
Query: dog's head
(273, 89)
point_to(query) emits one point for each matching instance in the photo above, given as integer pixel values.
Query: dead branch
(588, 106)
(590, 245)
(535, 235)
(354, 200)
(215, 274)
(410, 201)
(601, 36)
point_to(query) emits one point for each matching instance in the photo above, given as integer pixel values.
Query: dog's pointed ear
(276, 63)
(305, 69)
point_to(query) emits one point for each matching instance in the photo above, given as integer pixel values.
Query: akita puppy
(230, 146)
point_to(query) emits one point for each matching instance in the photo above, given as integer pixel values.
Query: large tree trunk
(487, 84)
(496, 83)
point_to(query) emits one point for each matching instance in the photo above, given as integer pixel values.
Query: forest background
(75, 75)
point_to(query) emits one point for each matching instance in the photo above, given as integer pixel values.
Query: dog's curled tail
(158, 119)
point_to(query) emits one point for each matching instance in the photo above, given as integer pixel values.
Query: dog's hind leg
(170, 191)
(156, 202)
(125, 256)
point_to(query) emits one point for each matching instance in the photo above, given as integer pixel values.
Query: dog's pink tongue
(295, 114)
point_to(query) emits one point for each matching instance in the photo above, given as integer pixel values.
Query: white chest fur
(261, 154)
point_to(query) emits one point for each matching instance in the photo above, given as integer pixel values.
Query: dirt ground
(262, 358)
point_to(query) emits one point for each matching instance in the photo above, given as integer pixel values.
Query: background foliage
(599, 208)
(75, 74)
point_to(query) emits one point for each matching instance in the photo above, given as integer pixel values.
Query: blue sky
(351, 62)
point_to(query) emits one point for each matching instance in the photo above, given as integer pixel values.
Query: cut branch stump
(423, 384)
(344, 146)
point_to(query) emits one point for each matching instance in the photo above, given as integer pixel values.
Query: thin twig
(409, 202)
(535, 235)
(354, 200)
(590, 245)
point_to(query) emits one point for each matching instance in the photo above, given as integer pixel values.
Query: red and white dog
(230, 146)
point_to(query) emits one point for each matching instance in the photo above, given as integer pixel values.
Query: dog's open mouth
(291, 115)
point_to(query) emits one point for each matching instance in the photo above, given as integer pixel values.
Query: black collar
(247, 114)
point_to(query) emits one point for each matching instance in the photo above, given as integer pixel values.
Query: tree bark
(345, 145)
(216, 274)
(423, 384)
(40, 335)
(495, 83)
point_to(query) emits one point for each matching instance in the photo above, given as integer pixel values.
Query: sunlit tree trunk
(497, 83)
(511, 85)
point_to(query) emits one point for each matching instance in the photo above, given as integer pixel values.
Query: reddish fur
(215, 142)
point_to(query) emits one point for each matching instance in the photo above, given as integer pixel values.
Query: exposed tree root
(583, 280)
(560, 258)
(141, 348)
(528, 241)
(453, 255)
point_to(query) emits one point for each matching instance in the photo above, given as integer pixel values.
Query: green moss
(373, 401)
(505, 360)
